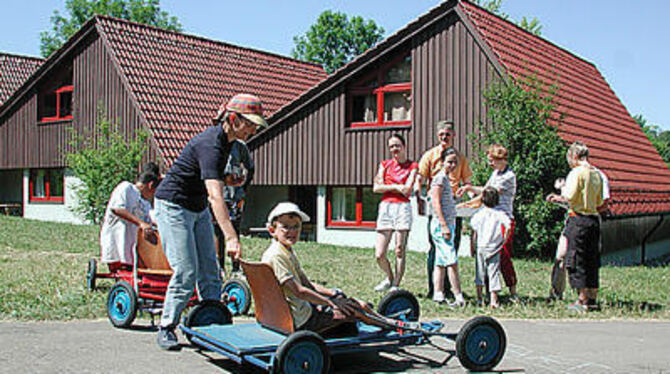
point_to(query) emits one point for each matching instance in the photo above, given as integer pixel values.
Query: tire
(238, 296)
(397, 301)
(208, 312)
(121, 304)
(91, 273)
(480, 344)
(302, 352)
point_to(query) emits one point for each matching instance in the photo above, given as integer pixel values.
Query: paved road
(533, 347)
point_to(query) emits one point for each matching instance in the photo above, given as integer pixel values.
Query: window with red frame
(55, 98)
(352, 207)
(383, 98)
(47, 185)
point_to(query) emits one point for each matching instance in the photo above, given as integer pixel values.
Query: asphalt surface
(533, 347)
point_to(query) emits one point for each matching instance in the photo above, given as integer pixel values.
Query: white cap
(286, 207)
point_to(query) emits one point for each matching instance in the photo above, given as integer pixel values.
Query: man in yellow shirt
(583, 194)
(429, 166)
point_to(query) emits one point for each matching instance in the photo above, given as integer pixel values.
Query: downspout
(643, 251)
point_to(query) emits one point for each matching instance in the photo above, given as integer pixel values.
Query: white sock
(459, 297)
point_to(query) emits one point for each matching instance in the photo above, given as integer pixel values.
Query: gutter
(643, 245)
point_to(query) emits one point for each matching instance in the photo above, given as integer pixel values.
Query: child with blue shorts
(442, 230)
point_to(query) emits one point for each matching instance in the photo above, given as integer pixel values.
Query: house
(141, 77)
(322, 149)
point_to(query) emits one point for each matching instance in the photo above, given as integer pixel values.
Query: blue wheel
(208, 312)
(303, 352)
(400, 304)
(121, 304)
(237, 296)
(481, 343)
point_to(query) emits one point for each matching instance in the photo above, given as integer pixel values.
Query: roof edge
(100, 16)
(22, 56)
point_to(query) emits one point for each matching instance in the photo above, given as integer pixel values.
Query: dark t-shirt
(204, 157)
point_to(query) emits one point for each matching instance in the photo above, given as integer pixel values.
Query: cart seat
(270, 306)
(150, 256)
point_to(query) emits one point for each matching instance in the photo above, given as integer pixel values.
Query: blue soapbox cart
(273, 345)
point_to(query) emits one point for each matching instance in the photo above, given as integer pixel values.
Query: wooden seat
(270, 306)
(150, 256)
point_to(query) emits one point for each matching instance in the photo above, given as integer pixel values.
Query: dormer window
(383, 98)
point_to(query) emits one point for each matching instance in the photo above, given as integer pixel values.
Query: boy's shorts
(324, 318)
(394, 216)
(488, 266)
(445, 252)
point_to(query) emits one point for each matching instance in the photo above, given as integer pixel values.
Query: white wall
(48, 211)
(365, 237)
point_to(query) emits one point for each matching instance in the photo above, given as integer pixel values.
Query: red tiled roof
(640, 180)
(180, 80)
(14, 70)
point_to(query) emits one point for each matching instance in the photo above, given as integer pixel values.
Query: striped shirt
(446, 199)
(505, 182)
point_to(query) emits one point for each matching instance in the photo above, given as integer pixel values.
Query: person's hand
(406, 190)
(462, 190)
(446, 232)
(553, 198)
(234, 248)
(234, 180)
(343, 304)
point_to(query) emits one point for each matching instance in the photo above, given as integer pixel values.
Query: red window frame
(59, 93)
(379, 93)
(47, 188)
(359, 211)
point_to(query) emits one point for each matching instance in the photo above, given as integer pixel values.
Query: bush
(101, 160)
(524, 121)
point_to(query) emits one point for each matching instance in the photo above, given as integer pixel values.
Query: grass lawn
(43, 265)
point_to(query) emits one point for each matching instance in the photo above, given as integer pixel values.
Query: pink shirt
(397, 173)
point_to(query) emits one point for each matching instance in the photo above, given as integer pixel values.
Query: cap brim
(304, 217)
(255, 118)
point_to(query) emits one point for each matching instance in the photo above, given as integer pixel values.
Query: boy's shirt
(286, 266)
(446, 199)
(118, 236)
(490, 226)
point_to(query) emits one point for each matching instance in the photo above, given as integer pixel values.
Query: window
(384, 98)
(352, 207)
(55, 99)
(47, 185)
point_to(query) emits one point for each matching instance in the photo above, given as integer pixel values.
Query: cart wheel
(480, 344)
(121, 304)
(397, 301)
(237, 296)
(208, 312)
(91, 273)
(302, 352)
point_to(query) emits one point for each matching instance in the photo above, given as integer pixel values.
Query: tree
(524, 121)
(79, 11)
(102, 164)
(659, 139)
(335, 39)
(495, 6)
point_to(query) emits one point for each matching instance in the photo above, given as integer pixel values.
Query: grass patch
(43, 265)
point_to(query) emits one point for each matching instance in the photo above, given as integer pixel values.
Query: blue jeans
(188, 243)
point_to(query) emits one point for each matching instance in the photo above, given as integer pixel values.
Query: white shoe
(383, 285)
(393, 289)
(438, 297)
(457, 304)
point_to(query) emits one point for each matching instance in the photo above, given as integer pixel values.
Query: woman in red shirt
(394, 179)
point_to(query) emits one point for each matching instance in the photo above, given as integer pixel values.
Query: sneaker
(167, 339)
(383, 285)
(480, 303)
(577, 307)
(438, 297)
(393, 289)
(457, 304)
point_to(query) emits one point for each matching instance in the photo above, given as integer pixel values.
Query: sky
(627, 41)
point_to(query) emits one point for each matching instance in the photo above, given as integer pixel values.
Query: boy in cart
(490, 228)
(313, 306)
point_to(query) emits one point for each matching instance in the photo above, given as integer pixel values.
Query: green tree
(79, 11)
(660, 139)
(102, 159)
(495, 6)
(336, 39)
(524, 121)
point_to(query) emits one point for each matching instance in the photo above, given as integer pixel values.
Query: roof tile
(14, 70)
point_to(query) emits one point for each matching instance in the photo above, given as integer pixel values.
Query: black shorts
(583, 256)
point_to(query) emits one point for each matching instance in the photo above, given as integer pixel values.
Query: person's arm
(435, 194)
(314, 297)
(222, 216)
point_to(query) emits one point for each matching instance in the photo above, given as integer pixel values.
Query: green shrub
(102, 159)
(524, 121)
